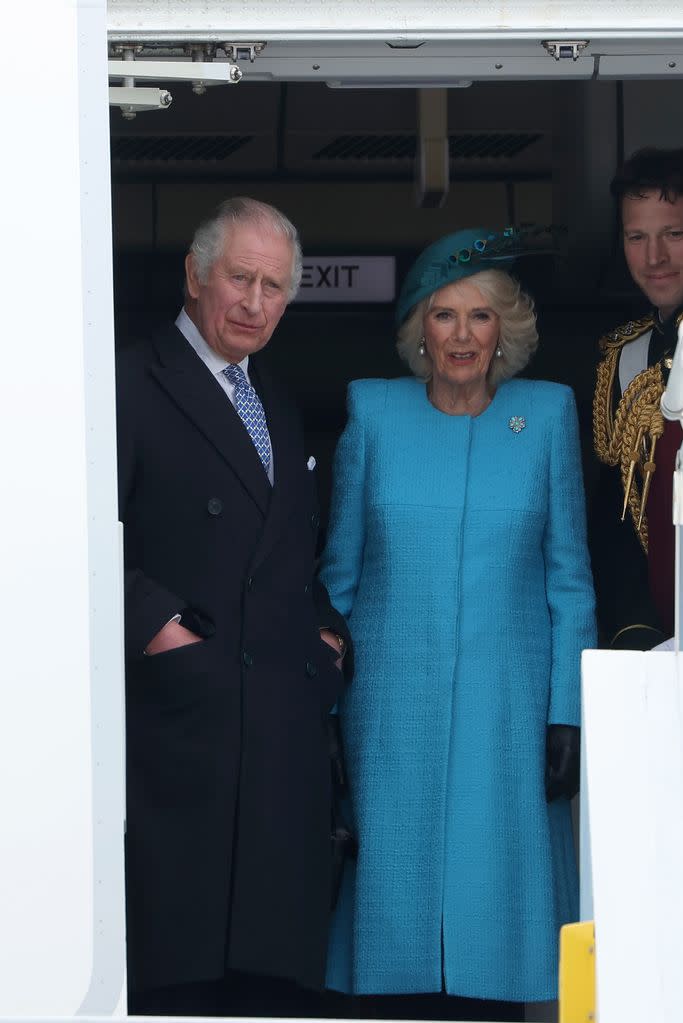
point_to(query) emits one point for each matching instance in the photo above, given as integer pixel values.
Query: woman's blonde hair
(518, 335)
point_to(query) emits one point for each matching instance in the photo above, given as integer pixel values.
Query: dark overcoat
(228, 776)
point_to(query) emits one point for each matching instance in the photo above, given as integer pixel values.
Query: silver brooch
(517, 424)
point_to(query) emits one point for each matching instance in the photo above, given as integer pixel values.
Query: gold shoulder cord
(629, 437)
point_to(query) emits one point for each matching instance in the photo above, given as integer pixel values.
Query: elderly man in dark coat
(232, 647)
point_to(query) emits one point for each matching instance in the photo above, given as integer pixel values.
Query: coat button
(250, 582)
(307, 587)
(315, 520)
(215, 506)
(247, 659)
(311, 669)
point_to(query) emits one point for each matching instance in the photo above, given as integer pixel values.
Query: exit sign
(348, 279)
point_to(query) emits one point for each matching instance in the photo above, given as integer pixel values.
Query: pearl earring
(421, 347)
(499, 352)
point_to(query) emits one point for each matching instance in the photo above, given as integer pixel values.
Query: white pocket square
(310, 464)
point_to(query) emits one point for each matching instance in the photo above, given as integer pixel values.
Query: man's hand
(332, 640)
(172, 636)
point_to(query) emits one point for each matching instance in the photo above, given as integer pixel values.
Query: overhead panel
(472, 153)
(454, 64)
(437, 44)
(310, 131)
(223, 131)
(466, 146)
(316, 20)
(643, 65)
(492, 130)
(426, 65)
(176, 148)
(480, 153)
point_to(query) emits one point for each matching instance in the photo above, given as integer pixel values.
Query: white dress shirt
(215, 363)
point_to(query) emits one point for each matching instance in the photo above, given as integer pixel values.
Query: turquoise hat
(453, 258)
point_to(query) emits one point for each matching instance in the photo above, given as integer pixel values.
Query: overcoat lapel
(187, 381)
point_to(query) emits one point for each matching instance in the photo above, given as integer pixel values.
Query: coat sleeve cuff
(148, 607)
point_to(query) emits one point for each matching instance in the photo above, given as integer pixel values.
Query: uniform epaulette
(627, 332)
(627, 437)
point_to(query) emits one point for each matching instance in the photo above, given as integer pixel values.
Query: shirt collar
(213, 361)
(662, 324)
(663, 339)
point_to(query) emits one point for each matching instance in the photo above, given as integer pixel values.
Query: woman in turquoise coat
(457, 552)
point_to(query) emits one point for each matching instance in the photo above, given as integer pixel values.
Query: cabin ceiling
(299, 130)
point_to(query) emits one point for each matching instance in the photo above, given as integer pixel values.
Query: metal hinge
(243, 51)
(563, 49)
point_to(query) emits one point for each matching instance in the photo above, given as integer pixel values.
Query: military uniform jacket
(632, 442)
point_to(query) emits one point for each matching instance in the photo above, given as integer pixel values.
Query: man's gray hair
(210, 237)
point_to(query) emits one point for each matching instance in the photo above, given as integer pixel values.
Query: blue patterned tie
(250, 411)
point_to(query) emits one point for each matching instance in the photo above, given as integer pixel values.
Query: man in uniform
(633, 559)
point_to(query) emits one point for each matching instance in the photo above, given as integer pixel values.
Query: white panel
(45, 760)
(633, 720)
(55, 579)
(585, 858)
(291, 19)
(106, 989)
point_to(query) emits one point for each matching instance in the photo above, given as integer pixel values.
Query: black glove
(562, 761)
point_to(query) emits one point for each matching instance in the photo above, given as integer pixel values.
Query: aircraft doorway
(341, 164)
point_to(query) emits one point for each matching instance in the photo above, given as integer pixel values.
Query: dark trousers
(242, 994)
(424, 1006)
(236, 994)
